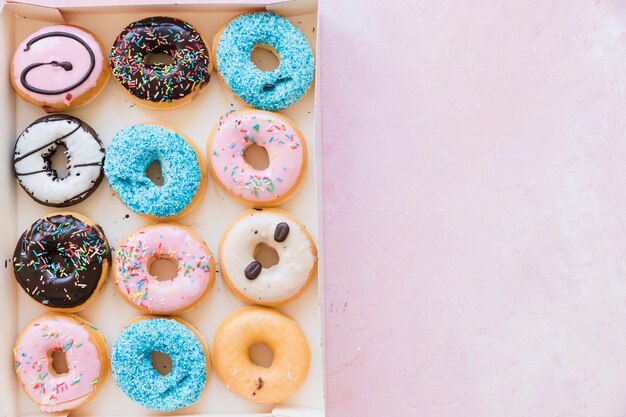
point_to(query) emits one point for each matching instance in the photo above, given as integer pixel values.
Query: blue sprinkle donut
(133, 150)
(132, 368)
(272, 90)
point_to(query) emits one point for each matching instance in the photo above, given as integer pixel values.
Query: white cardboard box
(110, 112)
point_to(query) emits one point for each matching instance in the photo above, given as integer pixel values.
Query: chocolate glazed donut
(62, 260)
(160, 82)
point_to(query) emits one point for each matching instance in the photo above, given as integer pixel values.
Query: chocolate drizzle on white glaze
(32, 161)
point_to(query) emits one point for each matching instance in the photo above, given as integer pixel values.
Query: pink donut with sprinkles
(286, 159)
(195, 272)
(87, 362)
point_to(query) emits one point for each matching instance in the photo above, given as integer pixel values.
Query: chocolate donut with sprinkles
(159, 85)
(62, 261)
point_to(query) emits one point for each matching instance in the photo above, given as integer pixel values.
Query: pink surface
(82, 3)
(475, 258)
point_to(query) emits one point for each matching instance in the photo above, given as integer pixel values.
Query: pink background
(475, 195)
(475, 207)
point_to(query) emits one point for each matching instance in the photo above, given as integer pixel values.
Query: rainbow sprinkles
(285, 147)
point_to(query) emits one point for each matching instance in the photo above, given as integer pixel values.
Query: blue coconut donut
(132, 368)
(133, 150)
(273, 90)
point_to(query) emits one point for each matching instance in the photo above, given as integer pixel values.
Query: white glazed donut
(282, 282)
(34, 149)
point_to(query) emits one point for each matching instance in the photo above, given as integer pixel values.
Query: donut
(286, 150)
(59, 67)
(33, 153)
(134, 372)
(62, 261)
(137, 251)
(271, 90)
(184, 174)
(247, 278)
(161, 86)
(253, 325)
(86, 356)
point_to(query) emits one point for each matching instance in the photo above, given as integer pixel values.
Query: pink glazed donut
(59, 67)
(286, 151)
(137, 251)
(85, 354)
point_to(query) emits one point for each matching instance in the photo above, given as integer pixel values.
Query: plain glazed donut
(134, 372)
(62, 261)
(252, 325)
(271, 90)
(161, 86)
(137, 251)
(86, 356)
(33, 152)
(285, 146)
(184, 173)
(246, 277)
(59, 67)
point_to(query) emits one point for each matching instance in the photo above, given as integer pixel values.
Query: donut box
(112, 111)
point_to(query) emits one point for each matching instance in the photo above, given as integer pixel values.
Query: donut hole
(58, 162)
(163, 268)
(155, 174)
(158, 59)
(257, 157)
(260, 354)
(265, 58)
(266, 255)
(58, 362)
(161, 362)
(61, 265)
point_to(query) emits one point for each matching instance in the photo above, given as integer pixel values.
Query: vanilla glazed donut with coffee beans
(247, 278)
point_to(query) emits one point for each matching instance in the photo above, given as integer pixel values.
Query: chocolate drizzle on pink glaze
(33, 349)
(67, 66)
(285, 148)
(57, 64)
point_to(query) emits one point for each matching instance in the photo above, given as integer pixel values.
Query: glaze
(32, 160)
(271, 90)
(285, 146)
(57, 64)
(252, 325)
(135, 253)
(68, 334)
(59, 261)
(279, 283)
(133, 150)
(160, 83)
(132, 366)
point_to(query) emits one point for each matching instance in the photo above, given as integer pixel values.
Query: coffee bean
(253, 270)
(281, 232)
